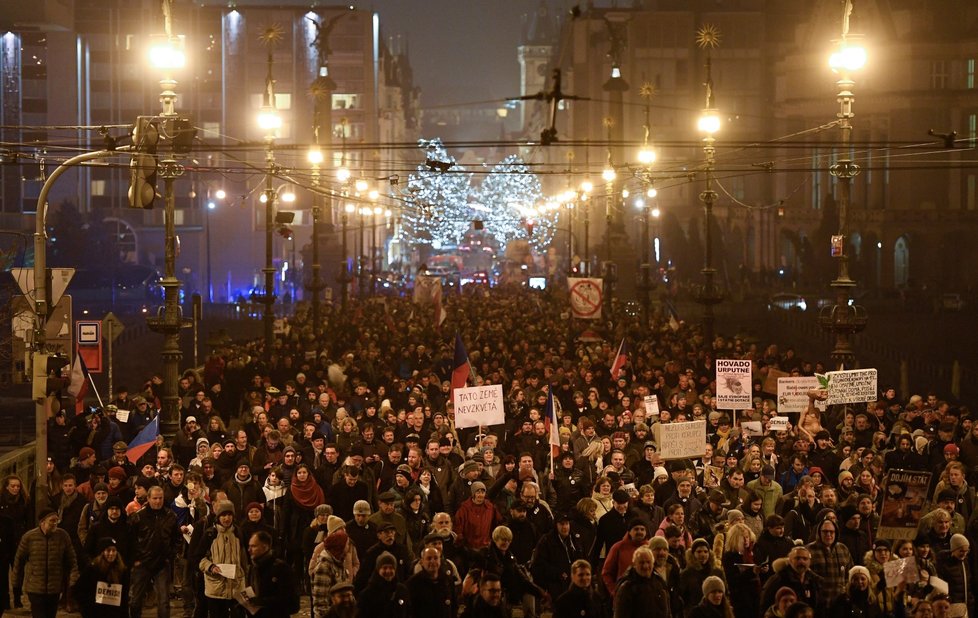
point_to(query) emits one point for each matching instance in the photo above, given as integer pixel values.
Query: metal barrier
(21, 462)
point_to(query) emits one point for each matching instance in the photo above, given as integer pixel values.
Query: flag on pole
(673, 316)
(552, 425)
(460, 367)
(78, 384)
(620, 359)
(144, 440)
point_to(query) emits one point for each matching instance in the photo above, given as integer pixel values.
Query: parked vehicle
(787, 302)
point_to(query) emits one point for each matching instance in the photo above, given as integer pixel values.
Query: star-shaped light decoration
(708, 36)
(647, 91)
(271, 35)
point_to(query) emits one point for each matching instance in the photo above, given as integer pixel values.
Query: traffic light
(142, 167)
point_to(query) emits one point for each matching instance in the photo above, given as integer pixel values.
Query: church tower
(534, 53)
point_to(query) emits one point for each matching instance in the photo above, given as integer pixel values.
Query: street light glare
(269, 120)
(587, 186)
(608, 174)
(361, 185)
(646, 156)
(709, 122)
(849, 57)
(350, 208)
(288, 196)
(374, 195)
(651, 192)
(315, 155)
(655, 213)
(639, 203)
(220, 194)
(342, 174)
(211, 205)
(166, 55)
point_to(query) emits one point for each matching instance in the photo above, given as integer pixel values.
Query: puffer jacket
(43, 560)
(225, 548)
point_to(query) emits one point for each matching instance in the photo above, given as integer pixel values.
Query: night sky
(462, 51)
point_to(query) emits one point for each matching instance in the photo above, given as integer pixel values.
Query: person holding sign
(102, 590)
(223, 563)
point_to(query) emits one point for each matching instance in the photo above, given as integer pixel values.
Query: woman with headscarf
(303, 497)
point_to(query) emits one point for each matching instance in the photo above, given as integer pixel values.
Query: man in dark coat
(552, 559)
(581, 599)
(271, 579)
(154, 537)
(640, 592)
(796, 575)
(432, 592)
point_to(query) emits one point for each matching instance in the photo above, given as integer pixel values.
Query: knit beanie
(336, 542)
(782, 592)
(658, 542)
(958, 541)
(858, 570)
(334, 523)
(386, 559)
(714, 584)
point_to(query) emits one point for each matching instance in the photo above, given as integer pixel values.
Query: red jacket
(474, 523)
(618, 560)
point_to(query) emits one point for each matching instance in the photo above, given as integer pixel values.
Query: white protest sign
(651, 405)
(778, 423)
(681, 440)
(122, 416)
(851, 386)
(793, 394)
(479, 406)
(899, 571)
(752, 428)
(108, 594)
(228, 570)
(733, 384)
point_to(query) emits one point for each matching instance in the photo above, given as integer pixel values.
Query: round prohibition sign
(585, 298)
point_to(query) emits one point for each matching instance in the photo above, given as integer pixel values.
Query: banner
(793, 394)
(478, 406)
(681, 440)
(586, 297)
(778, 423)
(651, 405)
(904, 497)
(851, 386)
(108, 594)
(733, 384)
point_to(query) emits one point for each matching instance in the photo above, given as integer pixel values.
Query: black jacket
(274, 586)
(432, 598)
(578, 603)
(552, 560)
(154, 538)
(385, 599)
(641, 597)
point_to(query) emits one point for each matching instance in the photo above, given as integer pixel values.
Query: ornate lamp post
(269, 121)
(841, 319)
(709, 123)
(646, 157)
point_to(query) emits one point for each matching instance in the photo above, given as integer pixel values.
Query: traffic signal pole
(41, 300)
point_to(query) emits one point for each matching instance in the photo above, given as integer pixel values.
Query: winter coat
(241, 494)
(641, 597)
(154, 537)
(552, 560)
(618, 560)
(389, 599)
(832, 563)
(432, 598)
(474, 524)
(578, 603)
(85, 587)
(225, 548)
(691, 582)
(43, 560)
(328, 570)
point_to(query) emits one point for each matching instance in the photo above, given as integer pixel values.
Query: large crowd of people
(331, 470)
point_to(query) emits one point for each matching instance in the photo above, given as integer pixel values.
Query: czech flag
(620, 359)
(552, 424)
(461, 368)
(144, 440)
(78, 385)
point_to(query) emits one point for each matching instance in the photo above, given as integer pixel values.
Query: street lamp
(841, 319)
(585, 195)
(269, 121)
(709, 123)
(166, 55)
(315, 285)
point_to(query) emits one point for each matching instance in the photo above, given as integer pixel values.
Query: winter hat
(734, 516)
(336, 542)
(700, 542)
(658, 542)
(920, 443)
(224, 506)
(958, 541)
(782, 592)
(203, 441)
(659, 471)
(105, 543)
(334, 524)
(116, 472)
(715, 584)
(101, 487)
(858, 570)
(323, 509)
(253, 505)
(85, 452)
(361, 507)
(45, 513)
(386, 559)
(845, 474)
(476, 486)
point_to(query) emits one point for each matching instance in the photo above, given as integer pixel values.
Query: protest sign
(108, 594)
(904, 496)
(793, 394)
(479, 406)
(752, 429)
(770, 384)
(651, 405)
(733, 384)
(712, 475)
(778, 423)
(681, 440)
(851, 386)
(903, 570)
(122, 416)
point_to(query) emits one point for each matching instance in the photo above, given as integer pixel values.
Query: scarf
(308, 494)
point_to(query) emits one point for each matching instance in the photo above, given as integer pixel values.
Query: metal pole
(344, 275)
(172, 319)
(269, 296)
(109, 337)
(361, 257)
(207, 241)
(709, 297)
(645, 266)
(587, 228)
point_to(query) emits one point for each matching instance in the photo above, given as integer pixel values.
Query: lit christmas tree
(437, 211)
(510, 204)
